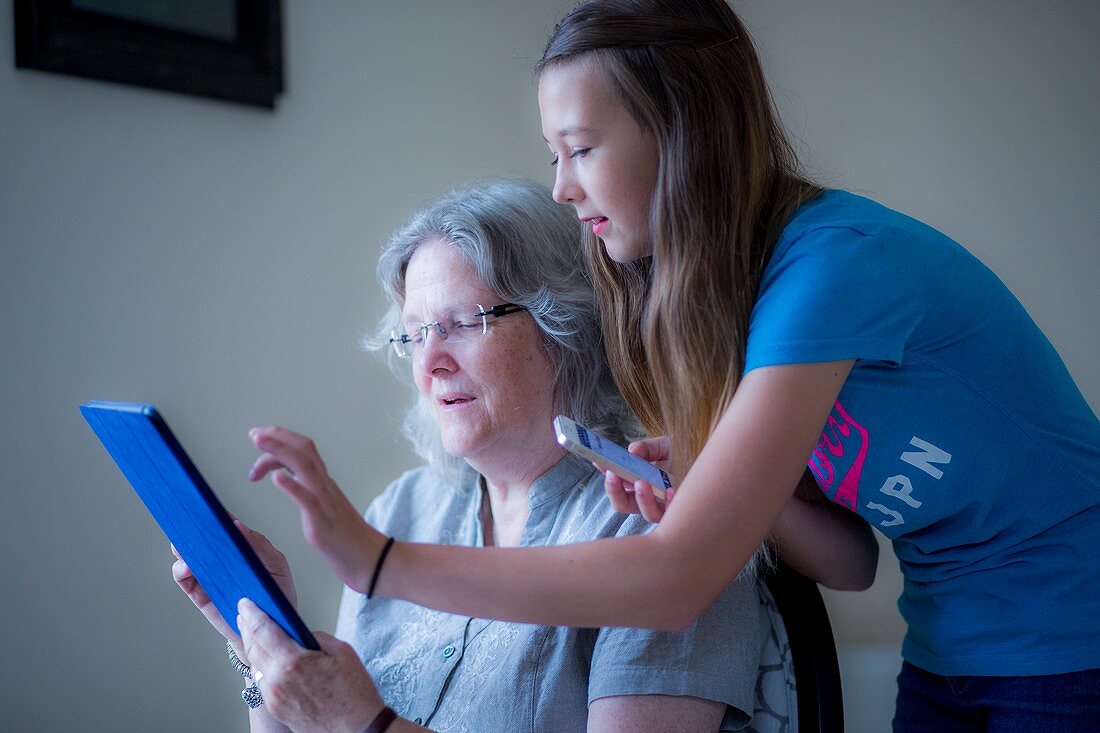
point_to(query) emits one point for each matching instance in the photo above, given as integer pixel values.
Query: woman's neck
(503, 518)
(506, 504)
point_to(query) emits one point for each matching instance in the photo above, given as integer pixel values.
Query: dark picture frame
(53, 35)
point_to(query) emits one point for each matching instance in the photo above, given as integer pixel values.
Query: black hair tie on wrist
(378, 567)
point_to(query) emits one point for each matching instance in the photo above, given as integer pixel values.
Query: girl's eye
(577, 153)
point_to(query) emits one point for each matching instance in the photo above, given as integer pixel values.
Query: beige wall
(218, 261)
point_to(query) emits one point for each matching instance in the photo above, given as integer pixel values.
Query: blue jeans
(932, 703)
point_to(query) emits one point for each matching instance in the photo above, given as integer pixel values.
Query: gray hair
(527, 250)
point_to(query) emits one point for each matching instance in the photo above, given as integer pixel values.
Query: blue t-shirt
(959, 434)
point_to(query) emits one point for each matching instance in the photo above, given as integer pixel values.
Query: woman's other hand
(329, 521)
(326, 690)
(639, 497)
(273, 560)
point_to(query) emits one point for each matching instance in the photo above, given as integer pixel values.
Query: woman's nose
(566, 189)
(435, 351)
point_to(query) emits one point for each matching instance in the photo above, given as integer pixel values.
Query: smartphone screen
(643, 468)
(608, 454)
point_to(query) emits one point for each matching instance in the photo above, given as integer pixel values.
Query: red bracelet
(381, 721)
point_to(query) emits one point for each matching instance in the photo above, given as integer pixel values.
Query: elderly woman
(495, 318)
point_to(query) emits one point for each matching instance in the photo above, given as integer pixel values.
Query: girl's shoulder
(854, 232)
(843, 210)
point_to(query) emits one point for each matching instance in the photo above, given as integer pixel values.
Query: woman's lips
(453, 400)
(598, 223)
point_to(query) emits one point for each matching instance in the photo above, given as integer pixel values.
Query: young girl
(768, 327)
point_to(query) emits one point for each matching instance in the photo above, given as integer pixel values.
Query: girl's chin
(624, 253)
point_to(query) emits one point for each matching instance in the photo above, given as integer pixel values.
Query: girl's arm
(808, 523)
(824, 541)
(725, 507)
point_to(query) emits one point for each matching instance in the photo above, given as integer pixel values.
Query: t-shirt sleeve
(836, 293)
(717, 658)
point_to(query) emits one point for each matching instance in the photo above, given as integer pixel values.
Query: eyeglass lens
(457, 325)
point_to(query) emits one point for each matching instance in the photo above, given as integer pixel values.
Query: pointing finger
(264, 465)
(293, 488)
(297, 451)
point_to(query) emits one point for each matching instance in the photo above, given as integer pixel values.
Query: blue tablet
(174, 492)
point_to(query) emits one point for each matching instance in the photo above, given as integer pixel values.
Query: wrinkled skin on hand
(308, 691)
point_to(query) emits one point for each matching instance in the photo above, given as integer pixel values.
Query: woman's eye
(579, 152)
(554, 162)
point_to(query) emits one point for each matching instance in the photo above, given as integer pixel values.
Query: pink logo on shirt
(840, 451)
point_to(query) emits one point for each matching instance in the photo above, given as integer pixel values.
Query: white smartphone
(609, 456)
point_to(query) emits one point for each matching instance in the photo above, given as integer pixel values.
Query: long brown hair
(676, 324)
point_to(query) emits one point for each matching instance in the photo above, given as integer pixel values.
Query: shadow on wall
(868, 675)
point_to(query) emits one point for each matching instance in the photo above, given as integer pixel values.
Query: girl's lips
(598, 223)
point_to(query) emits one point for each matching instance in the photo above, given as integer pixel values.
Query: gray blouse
(455, 673)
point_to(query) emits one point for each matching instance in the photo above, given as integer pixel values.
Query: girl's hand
(329, 521)
(273, 560)
(639, 498)
(655, 450)
(326, 690)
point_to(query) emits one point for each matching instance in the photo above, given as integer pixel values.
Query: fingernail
(245, 607)
(252, 432)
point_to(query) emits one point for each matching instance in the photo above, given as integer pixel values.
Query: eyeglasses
(462, 324)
